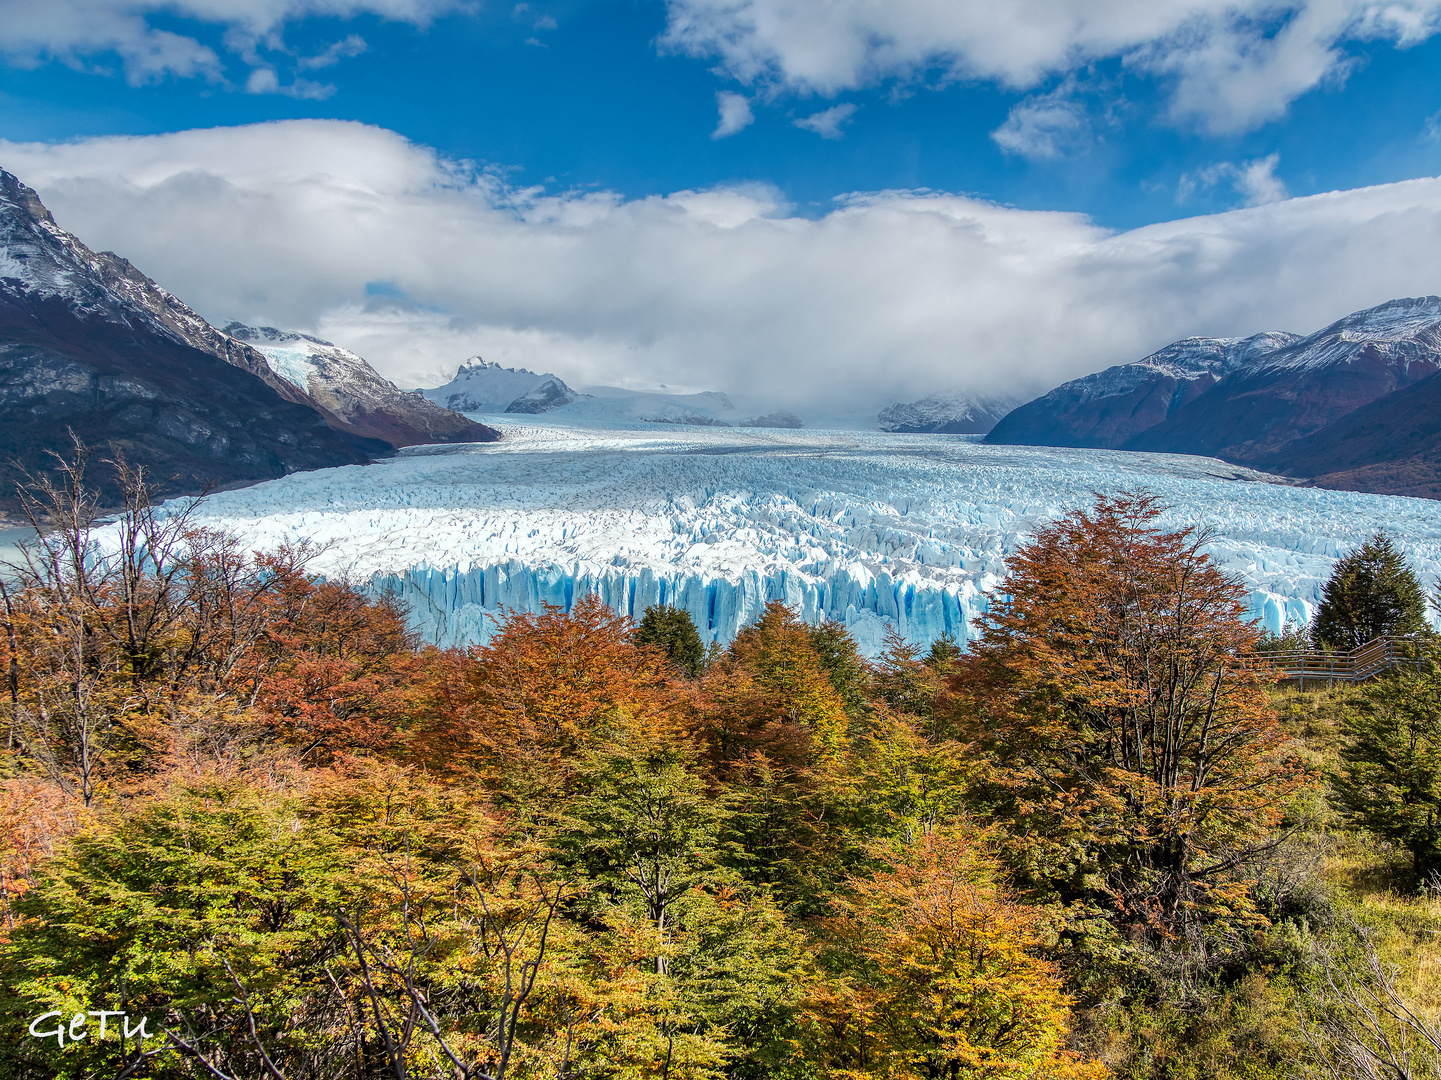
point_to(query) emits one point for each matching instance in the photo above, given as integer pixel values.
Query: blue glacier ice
(866, 528)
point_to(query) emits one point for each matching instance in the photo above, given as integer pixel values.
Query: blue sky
(587, 121)
(588, 95)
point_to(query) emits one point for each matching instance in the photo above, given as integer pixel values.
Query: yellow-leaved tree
(940, 974)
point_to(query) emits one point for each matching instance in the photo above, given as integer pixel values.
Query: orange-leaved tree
(1118, 695)
(544, 688)
(770, 694)
(334, 670)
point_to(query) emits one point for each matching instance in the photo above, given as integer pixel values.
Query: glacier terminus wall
(865, 528)
(457, 606)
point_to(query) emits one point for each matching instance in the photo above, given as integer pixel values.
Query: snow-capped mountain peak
(350, 388)
(39, 261)
(483, 386)
(1406, 329)
(302, 360)
(1188, 359)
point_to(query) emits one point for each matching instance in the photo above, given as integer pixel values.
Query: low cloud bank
(417, 261)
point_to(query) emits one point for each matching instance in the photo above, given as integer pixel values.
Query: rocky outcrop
(549, 393)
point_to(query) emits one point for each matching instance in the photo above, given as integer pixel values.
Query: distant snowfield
(866, 528)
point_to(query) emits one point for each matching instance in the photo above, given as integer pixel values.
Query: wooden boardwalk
(1378, 655)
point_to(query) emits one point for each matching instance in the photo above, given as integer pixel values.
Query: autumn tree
(335, 671)
(1371, 593)
(942, 974)
(164, 910)
(776, 693)
(372, 924)
(137, 643)
(777, 733)
(849, 675)
(723, 974)
(914, 685)
(449, 945)
(1116, 693)
(541, 691)
(644, 827)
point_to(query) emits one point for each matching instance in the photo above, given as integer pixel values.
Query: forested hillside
(247, 806)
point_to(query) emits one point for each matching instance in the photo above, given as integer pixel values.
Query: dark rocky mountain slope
(89, 344)
(1391, 446)
(1110, 408)
(189, 418)
(1346, 406)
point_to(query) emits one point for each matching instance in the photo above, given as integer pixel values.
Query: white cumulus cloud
(735, 114)
(886, 297)
(1231, 64)
(79, 31)
(1255, 181)
(1044, 127)
(828, 123)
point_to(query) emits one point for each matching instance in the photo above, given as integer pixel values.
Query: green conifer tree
(841, 660)
(1390, 783)
(671, 630)
(1372, 592)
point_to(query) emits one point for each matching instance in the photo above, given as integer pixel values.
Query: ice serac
(868, 529)
(781, 418)
(89, 344)
(1113, 407)
(958, 412)
(355, 392)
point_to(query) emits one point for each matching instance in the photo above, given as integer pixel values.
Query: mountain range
(350, 389)
(1355, 405)
(92, 349)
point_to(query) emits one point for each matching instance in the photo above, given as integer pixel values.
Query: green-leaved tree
(671, 630)
(1372, 592)
(1390, 783)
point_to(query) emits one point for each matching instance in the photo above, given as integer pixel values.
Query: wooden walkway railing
(1369, 660)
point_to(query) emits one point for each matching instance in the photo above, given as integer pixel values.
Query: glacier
(866, 528)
